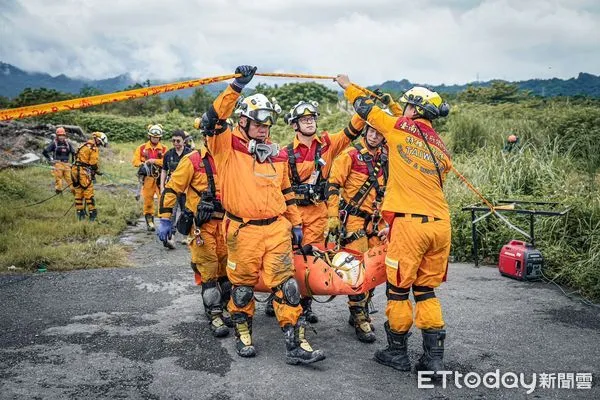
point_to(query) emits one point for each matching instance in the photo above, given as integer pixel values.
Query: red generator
(521, 261)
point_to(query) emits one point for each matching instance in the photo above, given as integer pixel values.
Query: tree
(31, 96)
(177, 103)
(199, 101)
(4, 102)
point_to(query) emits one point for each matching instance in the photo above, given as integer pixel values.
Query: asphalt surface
(140, 333)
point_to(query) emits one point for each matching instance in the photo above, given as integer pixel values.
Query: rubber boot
(269, 310)
(307, 313)
(298, 350)
(433, 352)
(93, 215)
(362, 327)
(243, 335)
(150, 222)
(395, 354)
(81, 215)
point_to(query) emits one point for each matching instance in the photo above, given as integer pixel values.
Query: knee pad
(291, 292)
(225, 287)
(427, 293)
(211, 294)
(397, 293)
(242, 295)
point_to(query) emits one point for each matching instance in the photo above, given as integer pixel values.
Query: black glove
(99, 173)
(385, 98)
(205, 210)
(247, 72)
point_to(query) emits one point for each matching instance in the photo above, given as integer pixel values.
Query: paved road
(140, 333)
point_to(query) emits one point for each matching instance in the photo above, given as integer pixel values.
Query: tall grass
(49, 234)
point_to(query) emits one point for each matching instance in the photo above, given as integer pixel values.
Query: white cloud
(431, 41)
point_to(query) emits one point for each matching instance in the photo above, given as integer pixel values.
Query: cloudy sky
(427, 41)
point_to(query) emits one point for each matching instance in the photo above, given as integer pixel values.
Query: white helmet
(101, 137)
(258, 108)
(348, 268)
(155, 130)
(301, 109)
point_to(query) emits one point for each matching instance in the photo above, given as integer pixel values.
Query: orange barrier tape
(83, 102)
(472, 188)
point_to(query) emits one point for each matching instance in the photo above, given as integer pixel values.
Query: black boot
(81, 215)
(269, 309)
(93, 215)
(243, 335)
(433, 352)
(361, 324)
(149, 222)
(395, 354)
(298, 350)
(307, 313)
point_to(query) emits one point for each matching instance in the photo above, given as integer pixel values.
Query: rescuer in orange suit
(419, 219)
(310, 157)
(83, 172)
(58, 153)
(196, 178)
(262, 219)
(360, 172)
(148, 158)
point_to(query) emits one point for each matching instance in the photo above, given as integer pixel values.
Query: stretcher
(317, 276)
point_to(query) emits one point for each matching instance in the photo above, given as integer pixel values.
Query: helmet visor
(305, 109)
(263, 116)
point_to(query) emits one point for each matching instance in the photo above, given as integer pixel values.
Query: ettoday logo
(507, 380)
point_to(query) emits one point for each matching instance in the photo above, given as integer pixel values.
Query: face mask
(262, 151)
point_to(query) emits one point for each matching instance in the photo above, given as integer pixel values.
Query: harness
(307, 193)
(153, 169)
(79, 164)
(210, 194)
(353, 206)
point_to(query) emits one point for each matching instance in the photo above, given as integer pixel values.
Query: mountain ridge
(14, 80)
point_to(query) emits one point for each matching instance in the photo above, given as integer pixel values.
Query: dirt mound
(18, 139)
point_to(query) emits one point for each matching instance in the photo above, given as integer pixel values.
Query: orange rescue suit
(314, 216)
(208, 250)
(260, 212)
(418, 214)
(82, 171)
(144, 152)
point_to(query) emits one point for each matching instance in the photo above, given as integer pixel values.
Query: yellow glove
(333, 225)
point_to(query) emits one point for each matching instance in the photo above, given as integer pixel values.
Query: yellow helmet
(259, 108)
(429, 104)
(101, 137)
(155, 130)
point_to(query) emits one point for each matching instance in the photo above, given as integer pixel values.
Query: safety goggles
(262, 116)
(306, 109)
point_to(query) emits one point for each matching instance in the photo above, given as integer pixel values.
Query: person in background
(59, 152)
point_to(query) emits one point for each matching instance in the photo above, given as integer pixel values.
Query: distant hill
(585, 84)
(13, 80)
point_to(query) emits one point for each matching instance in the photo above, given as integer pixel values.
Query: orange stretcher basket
(316, 277)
